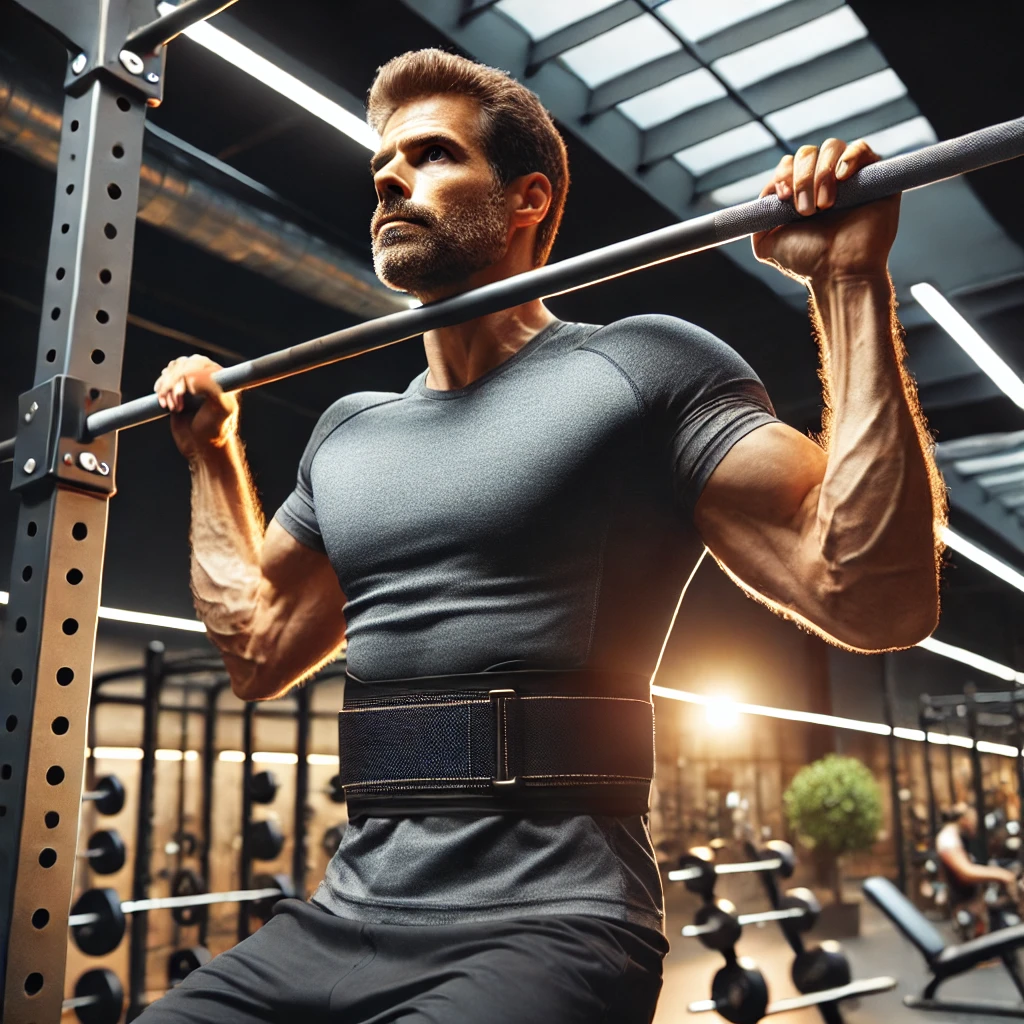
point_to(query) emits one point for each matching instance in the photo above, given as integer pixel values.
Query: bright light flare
(722, 713)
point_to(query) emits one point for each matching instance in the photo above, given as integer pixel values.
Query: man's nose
(391, 186)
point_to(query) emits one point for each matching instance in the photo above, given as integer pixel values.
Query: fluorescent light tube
(265, 71)
(993, 668)
(942, 312)
(140, 618)
(981, 557)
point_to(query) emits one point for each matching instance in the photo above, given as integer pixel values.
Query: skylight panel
(541, 18)
(698, 19)
(740, 191)
(912, 134)
(687, 92)
(837, 104)
(724, 148)
(621, 49)
(791, 49)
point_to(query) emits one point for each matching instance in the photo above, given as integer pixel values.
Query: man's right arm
(270, 604)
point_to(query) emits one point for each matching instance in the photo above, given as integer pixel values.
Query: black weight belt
(530, 742)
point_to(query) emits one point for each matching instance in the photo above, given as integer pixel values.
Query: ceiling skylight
(741, 191)
(620, 50)
(724, 148)
(836, 105)
(698, 19)
(543, 17)
(673, 98)
(912, 134)
(791, 49)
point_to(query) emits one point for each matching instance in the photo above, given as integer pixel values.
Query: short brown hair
(519, 136)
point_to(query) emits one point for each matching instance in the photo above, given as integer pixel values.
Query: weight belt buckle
(504, 703)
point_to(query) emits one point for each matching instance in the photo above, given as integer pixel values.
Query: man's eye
(435, 153)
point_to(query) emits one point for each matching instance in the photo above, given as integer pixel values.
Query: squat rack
(65, 447)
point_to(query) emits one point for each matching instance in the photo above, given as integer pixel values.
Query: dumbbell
(108, 796)
(266, 840)
(699, 873)
(739, 992)
(182, 962)
(105, 852)
(98, 998)
(815, 970)
(263, 787)
(718, 926)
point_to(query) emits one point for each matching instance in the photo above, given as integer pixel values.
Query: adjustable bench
(946, 961)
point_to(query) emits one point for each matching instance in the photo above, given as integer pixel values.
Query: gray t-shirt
(539, 518)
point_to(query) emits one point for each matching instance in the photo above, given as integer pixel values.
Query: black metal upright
(209, 765)
(929, 782)
(303, 696)
(977, 773)
(142, 870)
(63, 479)
(888, 702)
(245, 853)
(1018, 761)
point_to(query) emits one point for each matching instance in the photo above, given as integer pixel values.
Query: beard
(439, 249)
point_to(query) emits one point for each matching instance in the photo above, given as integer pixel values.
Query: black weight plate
(104, 935)
(112, 800)
(266, 840)
(332, 839)
(187, 882)
(107, 852)
(182, 962)
(286, 889)
(263, 787)
(104, 986)
(337, 791)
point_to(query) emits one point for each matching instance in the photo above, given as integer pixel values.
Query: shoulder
(948, 838)
(344, 410)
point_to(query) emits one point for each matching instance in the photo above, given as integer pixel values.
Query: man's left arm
(839, 535)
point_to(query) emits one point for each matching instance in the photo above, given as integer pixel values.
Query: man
(522, 520)
(965, 877)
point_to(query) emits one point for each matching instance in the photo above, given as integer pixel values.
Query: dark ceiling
(963, 72)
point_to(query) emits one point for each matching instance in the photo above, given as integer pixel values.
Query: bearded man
(504, 545)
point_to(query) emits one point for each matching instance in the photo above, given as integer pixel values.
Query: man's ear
(529, 199)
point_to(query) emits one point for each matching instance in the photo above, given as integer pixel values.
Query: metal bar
(201, 899)
(245, 853)
(888, 702)
(209, 765)
(141, 876)
(911, 170)
(977, 775)
(688, 874)
(950, 774)
(47, 652)
(161, 31)
(299, 830)
(1018, 763)
(926, 749)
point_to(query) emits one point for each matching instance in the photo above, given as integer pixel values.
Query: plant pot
(839, 921)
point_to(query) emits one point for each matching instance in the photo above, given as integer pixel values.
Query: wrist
(214, 455)
(830, 278)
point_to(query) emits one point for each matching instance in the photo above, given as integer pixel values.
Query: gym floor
(878, 950)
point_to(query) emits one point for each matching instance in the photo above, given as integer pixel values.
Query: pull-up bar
(899, 174)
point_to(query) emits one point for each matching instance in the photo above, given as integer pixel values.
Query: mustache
(403, 209)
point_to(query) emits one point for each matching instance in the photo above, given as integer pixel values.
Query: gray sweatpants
(307, 965)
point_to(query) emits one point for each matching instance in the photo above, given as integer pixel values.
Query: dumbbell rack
(739, 992)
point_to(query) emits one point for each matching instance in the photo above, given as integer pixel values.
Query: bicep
(757, 509)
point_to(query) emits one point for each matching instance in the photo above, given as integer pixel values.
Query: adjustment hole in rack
(3, 810)
(55, 313)
(5, 772)
(73, 157)
(65, 228)
(60, 273)
(94, 393)
(17, 676)
(105, 276)
(74, 126)
(60, 725)
(51, 355)
(34, 982)
(70, 189)
(97, 356)
(123, 103)
(110, 231)
(26, 573)
(102, 316)
(69, 627)
(40, 918)
(55, 775)
(114, 191)
(74, 577)
(51, 819)
(65, 675)
(79, 531)
(32, 526)
(21, 624)
(47, 857)
(117, 150)
(12, 723)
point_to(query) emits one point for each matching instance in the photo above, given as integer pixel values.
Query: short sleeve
(697, 395)
(298, 513)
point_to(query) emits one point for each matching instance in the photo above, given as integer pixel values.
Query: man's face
(441, 212)
(969, 822)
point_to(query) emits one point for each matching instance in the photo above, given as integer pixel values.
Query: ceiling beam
(580, 32)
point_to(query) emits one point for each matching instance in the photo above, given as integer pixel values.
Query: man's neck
(459, 355)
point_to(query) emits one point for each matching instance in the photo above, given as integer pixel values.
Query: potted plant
(835, 807)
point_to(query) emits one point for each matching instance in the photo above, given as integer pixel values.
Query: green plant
(835, 807)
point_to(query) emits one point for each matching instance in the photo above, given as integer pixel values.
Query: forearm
(227, 538)
(879, 499)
